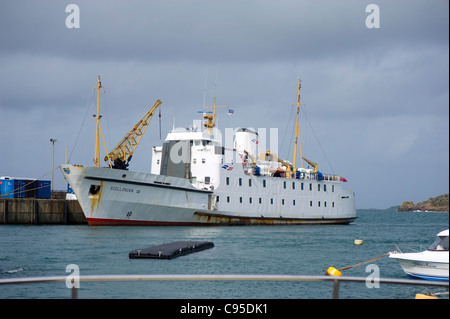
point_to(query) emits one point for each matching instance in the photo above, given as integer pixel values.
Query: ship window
(301, 186)
(318, 187)
(260, 200)
(293, 202)
(203, 160)
(332, 189)
(249, 183)
(207, 179)
(318, 204)
(310, 186)
(271, 201)
(194, 161)
(240, 181)
(441, 243)
(240, 200)
(264, 183)
(228, 181)
(228, 199)
(250, 200)
(293, 185)
(332, 204)
(324, 188)
(157, 161)
(310, 203)
(282, 202)
(284, 185)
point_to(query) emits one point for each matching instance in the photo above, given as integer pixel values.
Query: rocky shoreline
(433, 204)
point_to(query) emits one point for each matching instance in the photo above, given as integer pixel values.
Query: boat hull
(112, 197)
(416, 266)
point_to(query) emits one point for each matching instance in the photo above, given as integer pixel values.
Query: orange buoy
(423, 296)
(331, 271)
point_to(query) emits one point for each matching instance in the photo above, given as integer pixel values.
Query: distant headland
(433, 204)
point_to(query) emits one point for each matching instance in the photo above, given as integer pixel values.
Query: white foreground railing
(109, 278)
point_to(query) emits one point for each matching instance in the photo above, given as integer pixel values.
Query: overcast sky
(377, 99)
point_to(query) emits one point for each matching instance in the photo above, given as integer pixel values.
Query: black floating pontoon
(171, 250)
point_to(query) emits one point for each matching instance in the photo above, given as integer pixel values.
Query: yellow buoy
(422, 296)
(358, 241)
(333, 272)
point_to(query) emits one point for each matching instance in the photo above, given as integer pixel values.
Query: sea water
(44, 250)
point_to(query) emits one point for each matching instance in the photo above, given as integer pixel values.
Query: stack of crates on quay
(17, 187)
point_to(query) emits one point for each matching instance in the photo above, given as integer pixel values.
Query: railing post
(335, 289)
(74, 290)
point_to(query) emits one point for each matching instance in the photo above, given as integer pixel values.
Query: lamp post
(53, 140)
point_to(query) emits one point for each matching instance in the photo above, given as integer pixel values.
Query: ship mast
(98, 129)
(211, 119)
(97, 118)
(297, 137)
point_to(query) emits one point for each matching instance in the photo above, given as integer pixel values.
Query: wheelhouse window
(440, 244)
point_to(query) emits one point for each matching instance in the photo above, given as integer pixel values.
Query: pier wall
(33, 211)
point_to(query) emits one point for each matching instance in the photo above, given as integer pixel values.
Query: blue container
(6, 188)
(320, 176)
(19, 188)
(44, 189)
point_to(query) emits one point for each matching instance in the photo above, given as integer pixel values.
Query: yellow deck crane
(123, 152)
(314, 165)
(288, 168)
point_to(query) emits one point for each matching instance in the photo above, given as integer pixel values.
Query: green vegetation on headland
(433, 204)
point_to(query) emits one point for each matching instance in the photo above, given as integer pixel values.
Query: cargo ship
(196, 180)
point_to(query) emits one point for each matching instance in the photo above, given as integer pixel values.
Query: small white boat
(431, 264)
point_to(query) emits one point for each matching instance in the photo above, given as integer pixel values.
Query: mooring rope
(365, 262)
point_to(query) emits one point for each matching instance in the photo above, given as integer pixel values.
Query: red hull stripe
(215, 222)
(126, 222)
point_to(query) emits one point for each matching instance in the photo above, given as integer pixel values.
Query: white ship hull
(424, 265)
(431, 264)
(120, 197)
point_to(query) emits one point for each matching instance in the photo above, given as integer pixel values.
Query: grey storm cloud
(376, 98)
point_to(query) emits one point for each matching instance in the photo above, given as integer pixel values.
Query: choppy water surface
(28, 251)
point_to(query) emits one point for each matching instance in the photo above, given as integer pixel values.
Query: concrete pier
(33, 211)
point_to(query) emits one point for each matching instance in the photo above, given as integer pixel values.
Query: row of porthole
(250, 201)
(285, 185)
